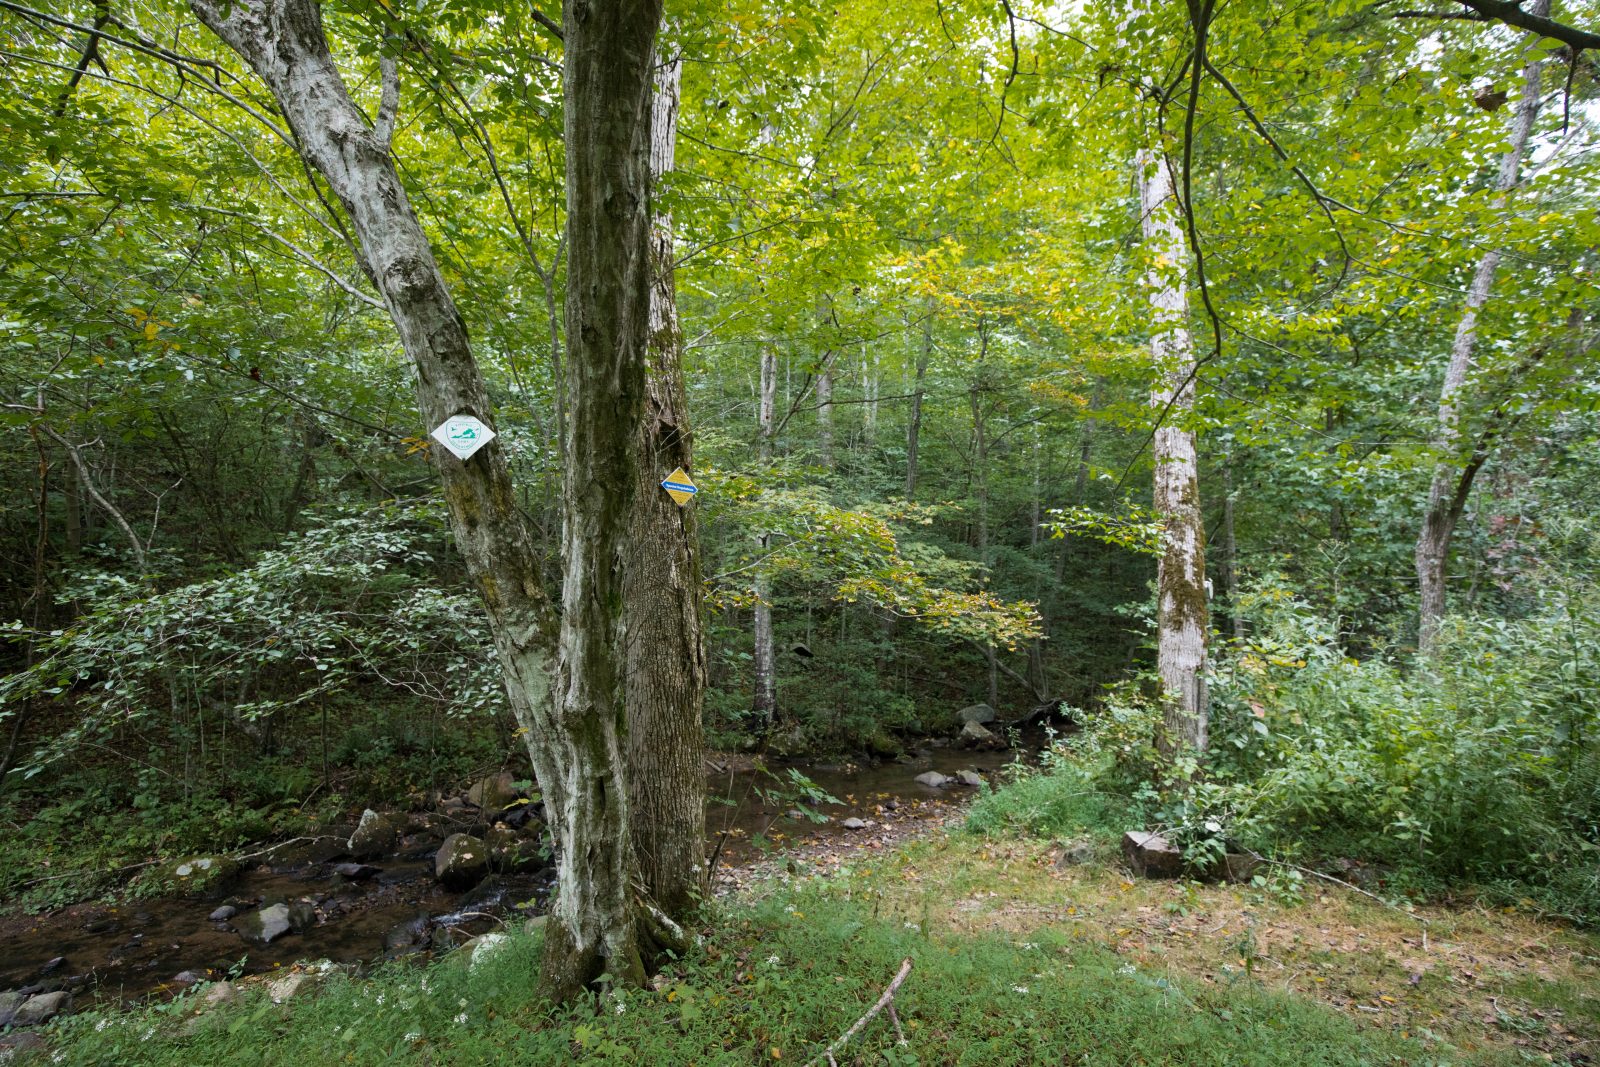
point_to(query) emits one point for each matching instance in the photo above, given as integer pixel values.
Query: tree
(666, 662)
(574, 727)
(1452, 480)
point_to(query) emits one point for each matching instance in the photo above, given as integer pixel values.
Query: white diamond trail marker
(462, 435)
(679, 487)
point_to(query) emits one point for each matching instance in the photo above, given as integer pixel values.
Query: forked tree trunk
(1447, 493)
(764, 702)
(666, 649)
(1181, 611)
(573, 733)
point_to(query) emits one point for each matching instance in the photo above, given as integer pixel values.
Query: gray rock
(411, 934)
(291, 985)
(1151, 855)
(42, 1008)
(511, 852)
(376, 835)
(275, 920)
(973, 735)
(219, 993)
(969, 778)
(1075, 853)
(14, 1044)
(933, 779)
(355, 872)
(188, 977)
(461, 861)
(982, 714)
(223, 914)
(494, 793)
(854, 824)
(9, 1003)
(1239, 867)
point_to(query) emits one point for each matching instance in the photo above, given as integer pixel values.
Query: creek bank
(330, 896)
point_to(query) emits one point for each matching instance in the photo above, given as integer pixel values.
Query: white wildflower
(1019, 989)
(411, 1035)
(773, 961)
(461, 1020)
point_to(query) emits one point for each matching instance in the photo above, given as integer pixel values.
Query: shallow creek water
(137, 950)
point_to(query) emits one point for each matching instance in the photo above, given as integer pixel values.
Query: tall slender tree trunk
(1181, 611)
(765, 700)
(574, 730)
(825, 412)
(1230, 550)
(914, 424)
(869, 389)
(666, 673)
(1447, 495)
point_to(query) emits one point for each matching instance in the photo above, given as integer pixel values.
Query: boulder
(42, 1008)
(933, 779)
(974, 735)
(485, 947)
(982, 714)
(9, 1003)
(290, 986)
(854, 824)
(275, 920)
(969, 778)
(199, 873)
(376, 835)
(223, 914)
(510, 851)
(1075, 853)
(461, 861)
(1239, 867)
(1151, 855)
(407, 936)
(494, 793)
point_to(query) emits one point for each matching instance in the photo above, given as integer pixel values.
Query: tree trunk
(666, 675)
(825, 412)
(1442, 511)
(869, 388)
(573, 732)
(914, 425)
(765, 700)
(1181, 612)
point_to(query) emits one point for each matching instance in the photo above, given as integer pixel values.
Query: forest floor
(1020, 958)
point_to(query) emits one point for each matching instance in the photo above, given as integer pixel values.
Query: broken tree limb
(885, 1001)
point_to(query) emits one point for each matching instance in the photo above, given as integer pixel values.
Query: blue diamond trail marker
(462, 435)
(679, 487)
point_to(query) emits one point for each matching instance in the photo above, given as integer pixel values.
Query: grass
(1015, 963)
(1018, 960)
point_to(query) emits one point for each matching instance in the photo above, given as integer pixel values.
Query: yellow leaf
(150, 331)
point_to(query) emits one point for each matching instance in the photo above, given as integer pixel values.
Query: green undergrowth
(774, 979)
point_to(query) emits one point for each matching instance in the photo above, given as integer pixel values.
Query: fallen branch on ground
(884, 1002)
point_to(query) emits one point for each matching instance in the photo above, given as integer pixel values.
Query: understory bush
(1477, 765)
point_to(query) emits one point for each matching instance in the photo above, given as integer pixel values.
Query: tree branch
(389, 102)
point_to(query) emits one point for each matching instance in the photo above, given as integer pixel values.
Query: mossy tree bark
(574, 732)
(666, 665)
(1181, 611)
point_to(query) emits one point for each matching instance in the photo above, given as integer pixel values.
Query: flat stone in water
(854, 824)
(933, 779)
(223, 914)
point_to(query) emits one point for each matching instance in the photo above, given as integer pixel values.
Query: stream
(393, 906)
